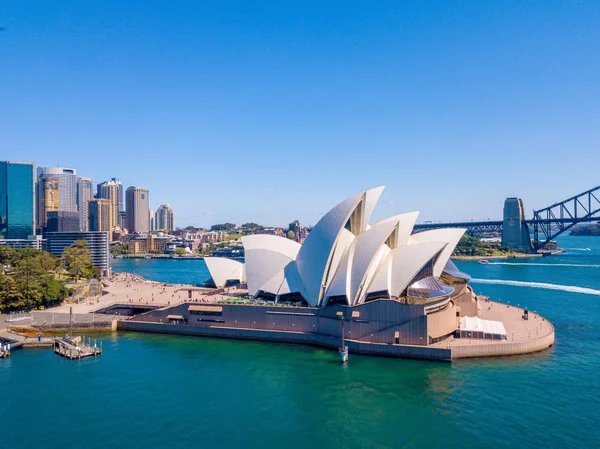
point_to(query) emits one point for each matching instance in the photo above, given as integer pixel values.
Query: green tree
(252, 227)
(291, 235)
(30, 281)
(49, 261)
(223, 227)
(78, 260)
(119, 250)
(29, 275)
(11, 297)
(7, 254)
(179, 251)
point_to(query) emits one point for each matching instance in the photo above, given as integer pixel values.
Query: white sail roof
(312, 262)
(451, 236)
(345, 256)
(406, 224)
(408, 260)
(372, 197)
(364, 267)
(266, 255)
(222, 270)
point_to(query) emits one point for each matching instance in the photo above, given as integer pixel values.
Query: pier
(76, 347)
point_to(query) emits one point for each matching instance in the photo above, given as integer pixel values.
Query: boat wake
(543, 285)
(577, 249)
(581, 265)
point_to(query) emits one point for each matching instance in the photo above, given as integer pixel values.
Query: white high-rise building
(84, 196)
(164, 219)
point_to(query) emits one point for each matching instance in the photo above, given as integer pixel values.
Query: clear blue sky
(269, 111)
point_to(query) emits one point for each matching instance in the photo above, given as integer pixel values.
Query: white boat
(343, 349)
(484, 262)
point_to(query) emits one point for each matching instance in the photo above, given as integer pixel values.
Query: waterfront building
(346, 261)
(212, 236)
(138, 209)
(110, 190)
(17, 211)
(47, 199)
(100, 215)
(148, 244)
(32, 242)
(386, 290)
(233, 252)
(63, 221)
(97, 243)
(151, 220)
(84, 195)
(164, 219)
(118, 233)
(67, 185)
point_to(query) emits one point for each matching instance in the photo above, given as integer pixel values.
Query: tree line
(30, 278)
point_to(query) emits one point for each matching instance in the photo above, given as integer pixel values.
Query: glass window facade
(16, 200)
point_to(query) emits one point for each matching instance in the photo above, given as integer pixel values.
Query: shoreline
(165, 301)
(510, 256)
(523, 336)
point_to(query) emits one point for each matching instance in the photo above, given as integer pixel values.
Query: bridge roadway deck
(494, 223)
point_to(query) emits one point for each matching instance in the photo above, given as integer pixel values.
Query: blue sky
(269, 111)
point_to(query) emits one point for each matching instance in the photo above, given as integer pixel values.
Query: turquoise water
(159, 391)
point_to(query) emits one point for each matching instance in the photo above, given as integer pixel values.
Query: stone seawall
(389, 350)
(505, 348)
(62, 328)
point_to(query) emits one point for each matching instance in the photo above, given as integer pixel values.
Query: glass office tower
(16, 199)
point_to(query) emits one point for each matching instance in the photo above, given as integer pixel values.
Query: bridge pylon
(515, 232)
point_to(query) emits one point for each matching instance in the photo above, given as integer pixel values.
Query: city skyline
(231, 119)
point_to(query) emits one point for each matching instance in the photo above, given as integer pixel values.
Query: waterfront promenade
(125, 288)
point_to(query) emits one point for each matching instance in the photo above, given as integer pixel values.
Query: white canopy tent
(475, 327)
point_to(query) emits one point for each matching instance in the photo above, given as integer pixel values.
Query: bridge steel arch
(554, 220)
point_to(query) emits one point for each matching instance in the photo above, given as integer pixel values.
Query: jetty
(76, 347)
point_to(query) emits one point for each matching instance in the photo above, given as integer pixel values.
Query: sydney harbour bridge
(545, 225)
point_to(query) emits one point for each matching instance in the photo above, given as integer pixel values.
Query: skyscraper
(47, 199)
(110, 191)
(62, 221)
(100, 215)
(164, 219)
(137, 202)
(84, 196)
(121, 205)
(67, 185)
(16, 199)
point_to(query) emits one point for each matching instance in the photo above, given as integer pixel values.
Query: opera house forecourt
(390, 291)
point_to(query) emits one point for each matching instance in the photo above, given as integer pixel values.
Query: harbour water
(171, 391)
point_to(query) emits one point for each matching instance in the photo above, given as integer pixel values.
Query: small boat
(343, 348)
(484, 262)
(344, 353)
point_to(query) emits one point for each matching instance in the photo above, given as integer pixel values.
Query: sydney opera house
(389, 290)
